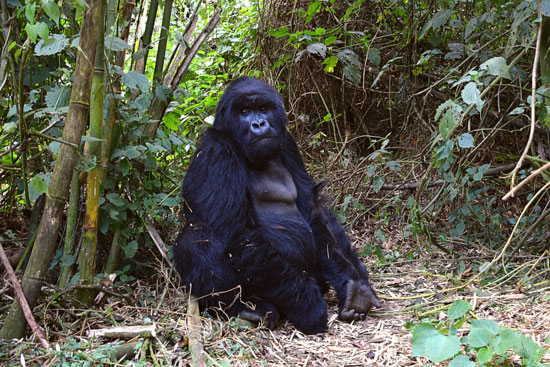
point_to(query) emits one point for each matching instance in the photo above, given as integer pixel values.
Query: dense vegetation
(423, 115)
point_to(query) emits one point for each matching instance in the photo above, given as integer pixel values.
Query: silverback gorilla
(258, 243)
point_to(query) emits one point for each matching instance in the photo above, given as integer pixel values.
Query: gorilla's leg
(201, 262)
(263, 270)
(340, 266)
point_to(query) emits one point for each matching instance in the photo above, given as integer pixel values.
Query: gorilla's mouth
(263, 139)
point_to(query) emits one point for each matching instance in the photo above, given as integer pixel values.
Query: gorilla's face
(257, 128)
(254, 113)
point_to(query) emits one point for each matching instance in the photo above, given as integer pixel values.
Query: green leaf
(377, 183)
(348, 57)
(163, 93)
(9, 127)
(440, 18)
(352, 74)
(461, 360)
(58, 96)
(449, 112)
(517, 110)
(115, 199)
(374, 56)
(527, 348)
(30, 11)
(490, 325)
(470, 94)
(130, 249)
(51, 46)
(506, 339)
(484, 355)
(124, 166)
(136, 81)
(312, 9)
(440, 347)
(52, 10)
(279, 32)
(458, 309)
(480, 337)
(447, 123)
(32, 31)
(421, 333)
(171, 202)
(126, 152)
(38, 186)
(116, 44)
(466, 140)
(330, 63)
(68, 260)
(496, 66)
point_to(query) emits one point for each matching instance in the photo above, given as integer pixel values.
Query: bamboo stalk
(86, 258)
(42, 253)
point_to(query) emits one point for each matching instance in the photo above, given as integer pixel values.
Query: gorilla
(258, 243)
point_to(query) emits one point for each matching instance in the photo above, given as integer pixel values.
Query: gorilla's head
(253, 112)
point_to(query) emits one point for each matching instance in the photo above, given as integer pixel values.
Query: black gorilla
(258, 243)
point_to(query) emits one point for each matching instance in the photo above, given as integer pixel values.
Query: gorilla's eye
(244, 110)
(263, 108)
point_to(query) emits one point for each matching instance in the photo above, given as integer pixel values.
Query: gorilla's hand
(360, 297)
(264, 314)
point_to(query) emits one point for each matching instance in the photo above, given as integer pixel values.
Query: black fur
(233, 257)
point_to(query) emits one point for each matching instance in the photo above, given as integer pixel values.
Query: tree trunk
(158, 106)
(141, 63)
(43, 250)
(72, 219)
(86, 257)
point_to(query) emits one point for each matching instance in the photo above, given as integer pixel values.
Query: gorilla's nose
(259, 127)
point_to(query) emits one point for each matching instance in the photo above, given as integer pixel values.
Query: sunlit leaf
(52, 45)
(466, 140)
(496, 66)
(317, 49)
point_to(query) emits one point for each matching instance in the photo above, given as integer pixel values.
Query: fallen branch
(193, 314)
(414, 185)
(125, 332)
(526, 180)
(157, 240)
(194, 325)
(22, 300)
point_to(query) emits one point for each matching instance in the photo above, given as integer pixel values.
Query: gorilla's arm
(340, 266)
(214, 188)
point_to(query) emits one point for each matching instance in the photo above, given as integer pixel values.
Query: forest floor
(383, 339)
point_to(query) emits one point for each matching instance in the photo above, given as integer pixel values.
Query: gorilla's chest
(273, 187)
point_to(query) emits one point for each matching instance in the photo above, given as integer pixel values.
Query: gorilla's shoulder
(219, 145)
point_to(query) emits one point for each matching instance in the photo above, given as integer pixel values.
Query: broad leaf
(466, 140)
(136, 81)
(461, 360)
(458, 309)
(52, 10)
(116, 44)
(496, 66)
(317, 49)
(51, 46)
(440, 347)
(421, 333)
(470, 94)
